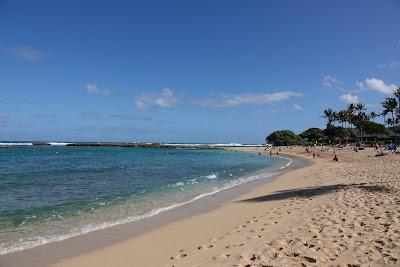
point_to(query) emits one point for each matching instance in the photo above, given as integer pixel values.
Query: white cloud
(380, 86)
(3, 115)
(93, 89)
(360, 84)
(224, 100)
(330, 81)
(24, 52)
(99, 115)
(165, 99)
(349, 98)
(297, 107)
(95, 115)
(390, 65)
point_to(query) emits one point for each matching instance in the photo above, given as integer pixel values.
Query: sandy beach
(199, 133)
(344, 213)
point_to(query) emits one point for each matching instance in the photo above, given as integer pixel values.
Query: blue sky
(189, 71)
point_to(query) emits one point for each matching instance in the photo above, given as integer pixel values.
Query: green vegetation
(376, 130)
(365, 127)
(314, 135)
(283, 138)
(337, 134)
(353, 124)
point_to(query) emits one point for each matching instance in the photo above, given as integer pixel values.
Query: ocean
(50, 193)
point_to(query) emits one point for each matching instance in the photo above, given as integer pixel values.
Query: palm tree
(383, 114)
(390, 106)
(373, 115)
(360, 119)
(342, 117)
(396, 93)
(389, 121)
(330, 116)
(350, 116)
(360, 107)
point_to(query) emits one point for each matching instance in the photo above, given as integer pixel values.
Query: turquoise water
(54, 192)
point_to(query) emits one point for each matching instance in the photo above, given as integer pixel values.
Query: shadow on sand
(315, 191)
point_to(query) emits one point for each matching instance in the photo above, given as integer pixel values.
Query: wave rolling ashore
(328, 213)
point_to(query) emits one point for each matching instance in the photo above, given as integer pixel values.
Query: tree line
(353, 124)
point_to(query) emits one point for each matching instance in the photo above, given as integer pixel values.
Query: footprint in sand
(235, 245)
(248, 258)
(309, 259)
(254, 237)
(222, 256)
(215, 239)
(205, 247)
(180, 255)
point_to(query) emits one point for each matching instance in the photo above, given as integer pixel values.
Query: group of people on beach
(270, 152)
(314, 150)
(277, 152)
(379, 151)
(315, 154)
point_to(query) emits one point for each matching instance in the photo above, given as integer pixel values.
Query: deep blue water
(53, 192)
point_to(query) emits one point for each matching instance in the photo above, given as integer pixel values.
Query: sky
(190, 71)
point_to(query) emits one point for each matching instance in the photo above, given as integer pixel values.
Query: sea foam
(212, 176)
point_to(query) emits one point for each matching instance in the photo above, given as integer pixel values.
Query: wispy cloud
(46, 119)
(113, 130)
(95, 115)
(225, 100)
(329, 81)
(378, 85)
(5, 121)
(93, 89)
(359, 84)
(99, 115)
(24, 52)
(390, 65)
(297, 107)
(30, 101)
(165, 99)
(349, 98)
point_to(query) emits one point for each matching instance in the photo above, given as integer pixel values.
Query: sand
(344, 213)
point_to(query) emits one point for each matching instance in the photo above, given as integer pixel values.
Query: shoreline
(53, 252)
